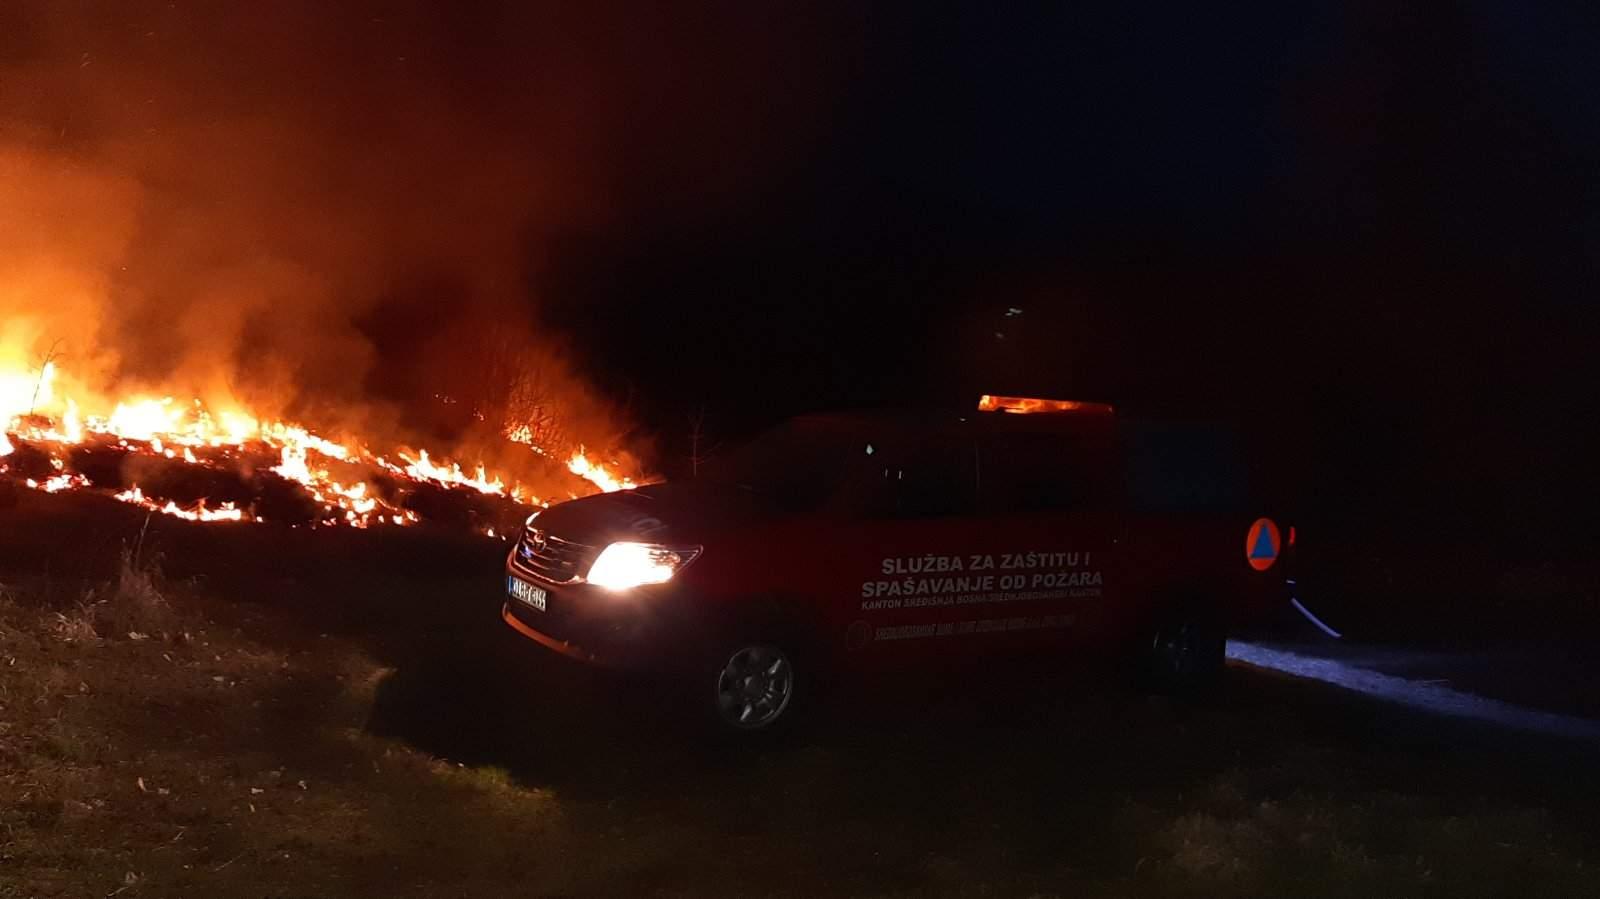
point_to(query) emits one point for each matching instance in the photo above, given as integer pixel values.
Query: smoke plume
(339, 213)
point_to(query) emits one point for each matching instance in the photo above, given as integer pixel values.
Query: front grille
(549, 558)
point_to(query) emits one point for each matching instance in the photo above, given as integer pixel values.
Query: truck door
(904, 549)
(1052, 496)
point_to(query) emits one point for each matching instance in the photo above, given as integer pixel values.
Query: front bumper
(633, 630)
(570, 650)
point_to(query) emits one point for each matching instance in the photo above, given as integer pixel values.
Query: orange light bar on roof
(1023, 405)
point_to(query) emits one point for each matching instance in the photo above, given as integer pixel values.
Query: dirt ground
(247, 711)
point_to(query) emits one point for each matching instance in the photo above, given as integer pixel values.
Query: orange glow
(1022, 405)
(71, 427)
(22, 391)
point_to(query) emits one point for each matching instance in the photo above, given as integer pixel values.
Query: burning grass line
(35, 413)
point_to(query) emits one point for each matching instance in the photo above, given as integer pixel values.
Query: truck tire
(760, 668)
(751, 686)
(1186, 652)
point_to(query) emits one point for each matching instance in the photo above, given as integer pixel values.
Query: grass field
(240, 712)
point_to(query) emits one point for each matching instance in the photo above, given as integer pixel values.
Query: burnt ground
(326, 713)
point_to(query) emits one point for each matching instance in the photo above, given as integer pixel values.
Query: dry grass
(132, 605)
(210, 765)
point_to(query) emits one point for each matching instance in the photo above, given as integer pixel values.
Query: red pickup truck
(851, 542)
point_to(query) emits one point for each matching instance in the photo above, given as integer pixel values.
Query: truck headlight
(623, 566)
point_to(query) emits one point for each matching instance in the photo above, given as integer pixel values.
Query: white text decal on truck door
(1033, 575)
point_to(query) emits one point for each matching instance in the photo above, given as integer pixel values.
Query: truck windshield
(798, 464)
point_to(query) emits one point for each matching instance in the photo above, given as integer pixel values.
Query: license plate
(526, 593)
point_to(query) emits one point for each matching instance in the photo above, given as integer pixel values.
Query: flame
(144, 420)
(579, 463)
(524, 435)
(71, 426)
(597, 475)
(1023, 405)
(224, 512)
(58, 483)
(450, 475)
(34, 410)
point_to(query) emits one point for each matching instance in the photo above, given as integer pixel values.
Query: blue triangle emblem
(1264, 549)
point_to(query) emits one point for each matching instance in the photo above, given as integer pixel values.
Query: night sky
(1365, 233)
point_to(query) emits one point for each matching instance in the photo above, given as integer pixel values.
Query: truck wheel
(755, 685)
(1186, 654)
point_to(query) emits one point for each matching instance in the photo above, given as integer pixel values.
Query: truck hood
(670, 513)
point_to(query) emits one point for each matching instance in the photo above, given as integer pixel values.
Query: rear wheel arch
(1194, 598)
